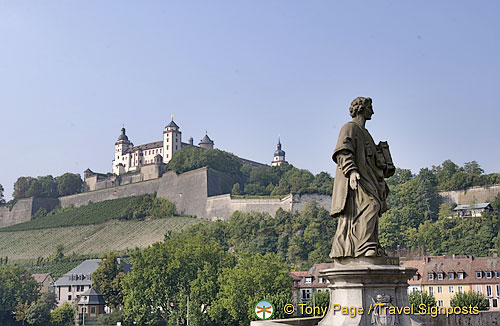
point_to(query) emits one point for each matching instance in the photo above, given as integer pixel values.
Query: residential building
(74, 283)
(305, 284)
(475, 210)
(444, 276)
(90, 307)
(45, 281)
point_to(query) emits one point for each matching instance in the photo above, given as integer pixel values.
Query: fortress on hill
(131, 158)
(143, 162)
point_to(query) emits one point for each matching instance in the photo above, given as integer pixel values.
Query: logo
(264, 310)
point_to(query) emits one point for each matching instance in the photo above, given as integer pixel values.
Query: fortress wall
(134, 189)
(47, 203)
(471, 195)
(187, 190)
(20, 212)
(300, 201)
(223, 206)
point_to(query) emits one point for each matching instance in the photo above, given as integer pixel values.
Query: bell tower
(172, 140)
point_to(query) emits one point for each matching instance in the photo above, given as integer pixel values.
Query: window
(495, 303)
(461, 276)
(176, 147)
(306, 294)
(488, 274)
(92, 310)
(488, 290)
(431, 290)
(440, 276)
(479, 274)
(320, 280)
(308, 280)
(440, 303)
(498, 290)
(415, 277)
(440, 289)
(479, 289)
(69, 297)
(460, 289)
(451, 289)
(451, 276)
(431, 276)
(69, 288)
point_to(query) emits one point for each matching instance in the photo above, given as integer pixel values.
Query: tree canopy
(16, 286)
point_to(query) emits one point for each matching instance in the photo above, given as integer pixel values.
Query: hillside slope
(89, 239)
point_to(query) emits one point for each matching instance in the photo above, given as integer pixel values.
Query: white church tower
(171, 140)
(121, 161)
(279, 155)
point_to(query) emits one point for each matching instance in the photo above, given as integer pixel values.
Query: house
(45, 281)
(90, 307)
(475, 210)
(305, 284)
(444, 276)
(78, 280)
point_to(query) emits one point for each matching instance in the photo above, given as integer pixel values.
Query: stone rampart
(18, 213)
(300, 201)
(223, 206)
(470, 196)
(203, 193)
(134, 189)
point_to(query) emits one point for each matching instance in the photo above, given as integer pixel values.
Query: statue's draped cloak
(358, 210)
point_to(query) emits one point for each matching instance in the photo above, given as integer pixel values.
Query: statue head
(359, 104)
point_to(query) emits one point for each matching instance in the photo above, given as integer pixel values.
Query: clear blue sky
(72, 72)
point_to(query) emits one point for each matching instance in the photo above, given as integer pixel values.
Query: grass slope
(89, 239)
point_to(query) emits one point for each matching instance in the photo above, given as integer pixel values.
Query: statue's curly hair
(358, 104)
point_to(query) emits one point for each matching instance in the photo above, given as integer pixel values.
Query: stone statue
(359, 191)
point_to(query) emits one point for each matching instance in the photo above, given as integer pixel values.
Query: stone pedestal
(378, 285)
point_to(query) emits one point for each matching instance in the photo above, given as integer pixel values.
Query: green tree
(319, 299)
(157, 288)
(43, 187)
(190, 158)
(38, 314)
(49, 299)
(59, 255)
(253, 279)
(416, 298)
(2, 200)
(473, 168)
(236, 189)
(16, 286)
(470, 298)
(69, 184)
(107, 278)
(63, 315)
(21, 187)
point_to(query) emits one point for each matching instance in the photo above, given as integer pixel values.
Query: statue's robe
(358, 210)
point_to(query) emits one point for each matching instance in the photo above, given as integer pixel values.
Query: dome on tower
(279, 151)
(123, 136)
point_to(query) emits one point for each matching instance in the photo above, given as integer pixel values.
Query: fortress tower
(172, 140)
(206, 142)
(121, 161)
(279, 155)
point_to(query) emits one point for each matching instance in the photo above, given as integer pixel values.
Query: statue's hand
(353, 180)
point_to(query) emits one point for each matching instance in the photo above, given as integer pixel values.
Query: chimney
(191, 141)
